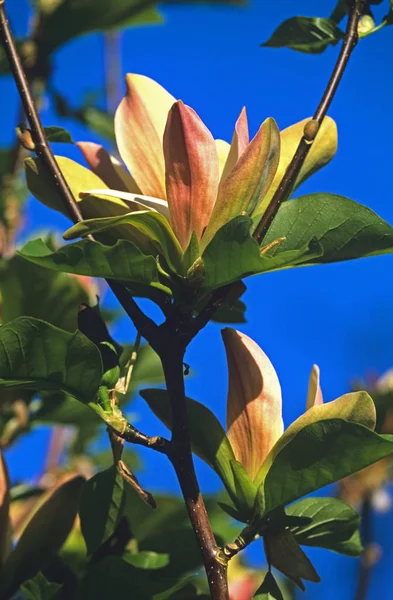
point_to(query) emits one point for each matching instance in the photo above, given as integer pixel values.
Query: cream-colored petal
(139, 127)
(314, 395)
(222, 148)
(240, 141)
(254, 419)
(156, 204)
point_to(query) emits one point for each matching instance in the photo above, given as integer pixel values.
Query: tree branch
(144, 324)
(312, 127)
(182, 461)
(370, 555)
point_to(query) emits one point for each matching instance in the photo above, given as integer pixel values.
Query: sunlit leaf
(147, 560)
(123, 261)
(333, 525)
(344, 228)
(306, 34)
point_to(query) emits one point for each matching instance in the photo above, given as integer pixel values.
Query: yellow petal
(222, 148)
(139, 127)
(323, 149)
(314, 395)
(254, 420)
(133, 201)
(5, 528)
(191, 164)
(240, 141)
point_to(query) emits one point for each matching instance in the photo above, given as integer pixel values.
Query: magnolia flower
(177, 169)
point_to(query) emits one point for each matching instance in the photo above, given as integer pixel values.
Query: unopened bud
(25, 138)
(366, 24)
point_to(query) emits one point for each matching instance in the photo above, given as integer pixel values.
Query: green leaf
(334, 525)
(123, 261)
(36, 355)
(269, 589)
(101, 507)
(98, 120)
(32, 291)
(208, 438)
(233, 254)
(147, 560)
(234, 313)
(344, 228)
(39, 588)
(319, 454)
(150, 224)
(245, 489)
(306, 34)
(73, 18)
(58, 134)
(43, 536)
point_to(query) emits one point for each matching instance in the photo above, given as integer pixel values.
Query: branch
(144, 324)
(312, 127)
(310, 132)
(181, 458)
(370, 552)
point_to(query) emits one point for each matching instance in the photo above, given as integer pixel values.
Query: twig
(312, 127)
(310, 131)
(144, 324)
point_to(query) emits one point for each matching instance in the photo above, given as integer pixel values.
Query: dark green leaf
(147, 560)
(43, 536)
(306, 34)
(36, 355)
(101, 507)
(245, 489)
(58, 134)
(269, 589)
(320, 454)
(234, 313)
(39, 588)
(208, 438)
(233, 254)
(123, 261)
(334, 525)
(73, 18)
(30, 290)
(344, 228)
(98, 120)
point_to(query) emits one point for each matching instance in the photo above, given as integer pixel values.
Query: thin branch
(181, 458)
(312, 127)
(144, 324)
(284, 189)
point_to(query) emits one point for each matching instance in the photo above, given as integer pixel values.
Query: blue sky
(338, 316)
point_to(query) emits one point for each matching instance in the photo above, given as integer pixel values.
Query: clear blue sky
(338, 316)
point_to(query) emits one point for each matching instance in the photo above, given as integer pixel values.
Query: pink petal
(191, 172)
(139, 127)
(314, 395)
(103, 165)
(254, 420)
(240, 141)
(249, 179)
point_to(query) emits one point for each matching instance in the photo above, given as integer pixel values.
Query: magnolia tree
(181, 220)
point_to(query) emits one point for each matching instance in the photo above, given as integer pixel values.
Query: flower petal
(222, 148)
(322, 151)
(191, 172)
(139, 127)
(254, 420)
(240, 141)
(107, 167)
(5, 528)
(314, 396)
(156, 204)
(249, 179)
